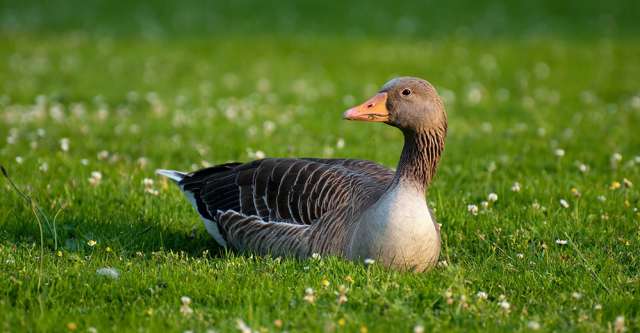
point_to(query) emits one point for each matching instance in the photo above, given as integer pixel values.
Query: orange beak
(374, 110)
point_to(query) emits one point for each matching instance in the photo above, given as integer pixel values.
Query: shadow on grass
(127, 233)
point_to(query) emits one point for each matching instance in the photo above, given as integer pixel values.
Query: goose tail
(176, 176)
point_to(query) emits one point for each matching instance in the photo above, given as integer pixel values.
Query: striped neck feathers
(420, 157)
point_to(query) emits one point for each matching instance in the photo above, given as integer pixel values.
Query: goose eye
(406, 92)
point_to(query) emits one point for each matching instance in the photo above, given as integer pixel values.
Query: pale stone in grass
(109, 272)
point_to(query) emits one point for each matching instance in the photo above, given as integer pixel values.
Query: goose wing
(296, 191)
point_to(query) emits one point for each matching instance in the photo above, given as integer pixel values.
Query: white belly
(398, 230)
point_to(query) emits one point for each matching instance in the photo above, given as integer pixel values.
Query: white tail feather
(176, 176)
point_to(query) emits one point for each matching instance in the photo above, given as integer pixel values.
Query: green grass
(171, 85)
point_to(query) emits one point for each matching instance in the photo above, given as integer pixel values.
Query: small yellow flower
(364, 329)
(325, 283)
(614, 185)
(71, 326)
(108, 249)
(92, 243)
(348, 278)
(59, 253)
(277, 323)
(341, 322)
(575, 192)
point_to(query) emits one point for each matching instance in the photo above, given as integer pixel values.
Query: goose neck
(419, 158)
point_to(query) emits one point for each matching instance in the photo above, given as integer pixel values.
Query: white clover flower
(19, 159)
(602, 198)
(559, 152)
(583, 168)
(616, 157)
(564, 203)
(369, 261)
(315, 256)
(504, 305)
(533, 325)
(243, 327)
(44, 167)
(268, 127)
(492, 167)
(103, 155)
(562, 241)
(482, 295)
(618, 325)
(109, 272)
(142, 162)
(64, 144)
(151, 191)
(492, 197)
(260, 154)
(96, 178)
(309, 296)
(84, 161)
(340, 143)
(515, 187)
(473, 209)
(418, 329)
(576, 295)
(147, 182)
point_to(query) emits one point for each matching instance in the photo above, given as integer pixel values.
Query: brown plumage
(350, 208)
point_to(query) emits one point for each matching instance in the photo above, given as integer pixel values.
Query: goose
(354, 209)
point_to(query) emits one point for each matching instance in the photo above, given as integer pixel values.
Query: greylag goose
(354, 209)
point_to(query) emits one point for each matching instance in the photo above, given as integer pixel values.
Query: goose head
(408, 103)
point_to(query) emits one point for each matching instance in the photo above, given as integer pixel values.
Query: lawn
(543, 102)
